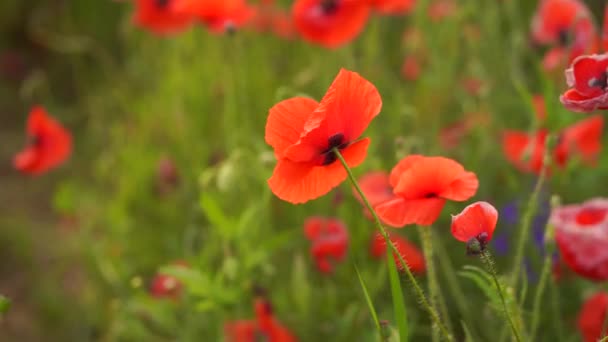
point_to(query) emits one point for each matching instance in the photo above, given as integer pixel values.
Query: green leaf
(368, 299)
(5, 304)
(468, 337)
(397, 294)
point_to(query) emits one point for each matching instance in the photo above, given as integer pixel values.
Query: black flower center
(162, 3)
(335, 141)
(600, 82)
(34, 140)
(329, 6)
(563, 37)
(430, 195)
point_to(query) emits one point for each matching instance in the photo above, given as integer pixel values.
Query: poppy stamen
(563, 37)
(162, 3)
(600, 82)
(335, 141)
(329, 6)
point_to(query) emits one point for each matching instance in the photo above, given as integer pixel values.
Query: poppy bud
(478, 244)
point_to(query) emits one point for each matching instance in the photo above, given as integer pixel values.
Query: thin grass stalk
(417, 289)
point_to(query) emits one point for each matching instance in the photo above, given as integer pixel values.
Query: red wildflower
(377, 189)
(265, 326)
(592, 317)
(540, 109)
(217, 15)
(330, 23)
(329, 239)
(568, 26)
(440, 9)
(304, 132)
(477, 221)
(525, 151)
(587, 79)
(393, 6)
(451, 135)
(158, 17)
(167, 286)
(49, 144)
(581, 233)
(269, 18)
(411, 69)
(408, 251)
(421, 185)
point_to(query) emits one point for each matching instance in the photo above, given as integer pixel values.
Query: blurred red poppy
(411, 68)
(304, 132)
(49, 144)
(377, 189)
(592, 317)
(265, 326)
(441, 9)
(330, 23)
(476, 221)
(217, 15)
(421, 185)
(269, 18)
(583, 139)
(329, 239)
(568, 26)
(581, 233)
(393, 6)
(408, 251)
(158, 17)
(167, 286)
(587, 78)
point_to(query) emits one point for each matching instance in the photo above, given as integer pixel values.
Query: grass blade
(368, 299)
(397, 294)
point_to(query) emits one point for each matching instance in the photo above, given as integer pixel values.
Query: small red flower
(441, 9)
(167, 286)
(476, 221)
(49, 144)
(265, 327)
(581, 233)
(421, 185)
(411, 68)
(329, 239)
(158, 17)
(217, 15)
(540, 109)
(592, 317)
(408, 251)
(587, 79)
(567, 25)
(330, 23)
(525, 151)
(303, 133)
(393, 6)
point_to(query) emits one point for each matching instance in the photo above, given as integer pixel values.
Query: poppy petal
(523, 150)
(300, 182)
(400, 212)
(584, 137)
(462, 188)
(286, 121)
(402, 166)
(477, 218)
(376, 188)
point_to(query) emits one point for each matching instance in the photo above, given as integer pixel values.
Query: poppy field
(304, 170)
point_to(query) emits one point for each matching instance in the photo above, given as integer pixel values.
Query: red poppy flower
(167, 286)
(393, 6)
(329, 239)
(525, 151)
(408, 251)
(411, 68)
(304, 132)
(49, 144)
(476, 221)
(568, 26)
(330, 23)
(581, 233)
(377, 189)
(158, 17)
(587, 79)
(217, 15)
(592, 317)
(440, 9)
(421, 185)
(265, 326)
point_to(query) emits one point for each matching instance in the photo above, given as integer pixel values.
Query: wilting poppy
(587, 78)
(329, 239)
(49, 144)
(476, 222)
(393, 6)
(304, 132)
(581, 233)
(408, 251)
(421, 185)
(583, 139)
(592, 317)
(217, 15)
(567, 25)
(167, 286)
(265, 326)
(330, 23)
(158, 17)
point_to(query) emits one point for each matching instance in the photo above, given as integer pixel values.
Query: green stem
(417, 289)
(538, 296)
(486, 259)
(435, 298)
